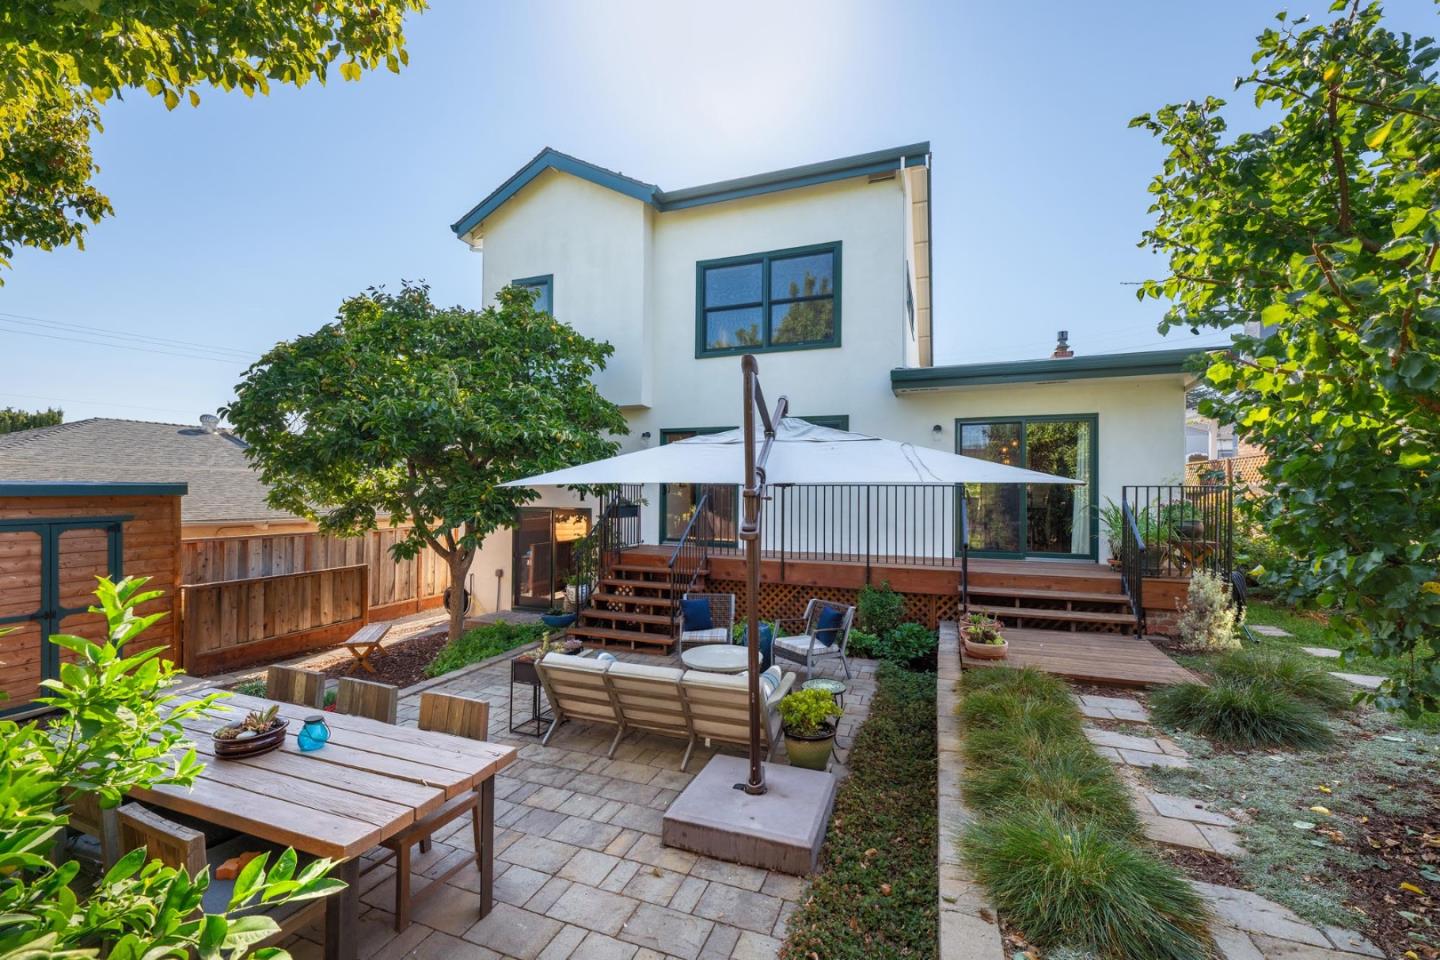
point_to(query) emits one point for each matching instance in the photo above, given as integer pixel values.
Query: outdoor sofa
(686, 704)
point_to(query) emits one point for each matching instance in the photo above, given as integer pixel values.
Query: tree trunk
(459, 562)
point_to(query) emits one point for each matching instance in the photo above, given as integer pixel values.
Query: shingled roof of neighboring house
(223, 485)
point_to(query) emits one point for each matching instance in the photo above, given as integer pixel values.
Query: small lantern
(314, 734)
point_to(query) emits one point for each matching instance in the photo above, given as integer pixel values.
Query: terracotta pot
(810, 753)
(986, 651)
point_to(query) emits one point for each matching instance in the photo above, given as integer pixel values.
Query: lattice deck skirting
(789, 599)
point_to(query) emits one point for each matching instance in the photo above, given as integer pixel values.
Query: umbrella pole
(754, 400)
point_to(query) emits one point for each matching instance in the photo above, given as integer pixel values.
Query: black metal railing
(687, 560)
(916, 524)
(618, 527)
(1132, 566)
(1175, 530)
(964, 554)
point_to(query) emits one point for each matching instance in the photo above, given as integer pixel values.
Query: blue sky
(247, 221)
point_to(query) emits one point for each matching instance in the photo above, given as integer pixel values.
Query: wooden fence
(250, 599)
(1244, 471)
(235, 622)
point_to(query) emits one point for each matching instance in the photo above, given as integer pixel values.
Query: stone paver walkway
(1249, 927)
(1112, 708)
(1265, 630)
(1325, 653)
(1368, 681)
(580, 870)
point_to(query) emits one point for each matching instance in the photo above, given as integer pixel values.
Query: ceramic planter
(556, 621)
(251, 746)
(986, 651)
(813, 752)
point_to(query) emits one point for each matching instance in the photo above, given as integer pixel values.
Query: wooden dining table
(369, 782)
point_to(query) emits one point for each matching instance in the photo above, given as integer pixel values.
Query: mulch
(1207, 867)
(400, 663)
(1409, 850)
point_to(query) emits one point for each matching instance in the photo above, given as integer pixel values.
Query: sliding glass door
(1034, 520)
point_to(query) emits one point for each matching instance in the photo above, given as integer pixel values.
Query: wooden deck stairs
(631, 608)
(1088, 599)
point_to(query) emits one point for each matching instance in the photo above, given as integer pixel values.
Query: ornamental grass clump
(1241, 714)
(1055, 840)
(1068, 882)
(1294, 673)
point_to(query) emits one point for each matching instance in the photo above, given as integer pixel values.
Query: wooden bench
(366, 641)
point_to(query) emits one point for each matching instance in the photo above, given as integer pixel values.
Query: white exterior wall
(596, 244)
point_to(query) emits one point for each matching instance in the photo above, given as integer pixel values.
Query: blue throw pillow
(697, 614)
(767, 637)
(827, 631)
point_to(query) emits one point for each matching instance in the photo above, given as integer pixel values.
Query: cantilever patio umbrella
(781, 450)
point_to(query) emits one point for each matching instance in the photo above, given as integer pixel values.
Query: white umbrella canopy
(802, 453)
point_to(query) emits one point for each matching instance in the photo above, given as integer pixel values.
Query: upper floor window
(781, 300)
(545, 291)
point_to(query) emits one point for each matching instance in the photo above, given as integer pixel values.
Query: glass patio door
(1034, 520)
(543, 554)
(678, 500)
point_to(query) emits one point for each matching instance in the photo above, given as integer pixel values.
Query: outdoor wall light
(645, 436)
(937, 430)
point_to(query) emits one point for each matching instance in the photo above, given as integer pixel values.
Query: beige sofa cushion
(576, 687)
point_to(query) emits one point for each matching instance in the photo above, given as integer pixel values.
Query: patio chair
(822, 621)
(719, 706)
(293, 685)
(184, 848)
(722, 620)
(460, 717)
(577, 690)
(648, 698)
(366, 698)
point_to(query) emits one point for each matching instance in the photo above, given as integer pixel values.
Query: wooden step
(1039, 593)
(642, 601)
(1038, 613)
(627, 615)
(663, 585)
(605, 637)
(642, 568)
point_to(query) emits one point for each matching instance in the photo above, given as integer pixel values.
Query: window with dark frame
(545, 291)
(781, 300)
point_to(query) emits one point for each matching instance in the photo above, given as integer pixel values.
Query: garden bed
(399, 663)
(877, 891)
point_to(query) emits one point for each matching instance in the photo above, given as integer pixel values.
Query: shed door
(47, 578)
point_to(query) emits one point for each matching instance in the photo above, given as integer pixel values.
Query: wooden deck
(1109, 659)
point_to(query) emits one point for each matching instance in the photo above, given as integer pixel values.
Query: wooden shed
(56, 538)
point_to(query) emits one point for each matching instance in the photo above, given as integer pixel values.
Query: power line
(124, 346)
(118, 333)
(96, 403)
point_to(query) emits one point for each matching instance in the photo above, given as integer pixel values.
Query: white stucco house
(824, 272)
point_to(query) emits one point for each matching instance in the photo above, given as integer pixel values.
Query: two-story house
(824, 272)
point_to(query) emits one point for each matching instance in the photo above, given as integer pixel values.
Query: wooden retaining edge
(416, 688)
(968, 925)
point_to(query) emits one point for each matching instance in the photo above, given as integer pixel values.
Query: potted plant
(260, 732)
(556, 618)
(1114, 520)
(982, 638)
(522, 667)
(806, 717)
(584, 567)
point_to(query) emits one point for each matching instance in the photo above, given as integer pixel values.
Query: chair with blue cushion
(824, 633)
(706, 618)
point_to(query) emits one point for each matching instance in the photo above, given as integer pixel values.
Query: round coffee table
(716, 658)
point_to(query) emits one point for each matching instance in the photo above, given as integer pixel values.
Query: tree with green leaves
(406, 411)
(61, 62)
(12, 419)
(117, 729)
(1321, 231)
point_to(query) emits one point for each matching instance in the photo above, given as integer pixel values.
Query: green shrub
(254, 687)
(863, 644)
(1297, 674)
(1242, 714)
(482, 642)
(904, 645)
(805, 713)
(1209, 617)
(879, 609)
(1073, 884)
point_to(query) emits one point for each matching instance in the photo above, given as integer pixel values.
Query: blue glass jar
(314, 734)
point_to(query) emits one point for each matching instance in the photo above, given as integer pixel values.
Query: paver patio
(580, 870)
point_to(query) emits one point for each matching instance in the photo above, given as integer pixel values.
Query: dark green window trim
(835, 421)
(546, 283)
(665, 434)
(767, 300)
(1094, 492)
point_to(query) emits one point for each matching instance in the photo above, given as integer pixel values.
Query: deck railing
(1173, 531)
(687, 561)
